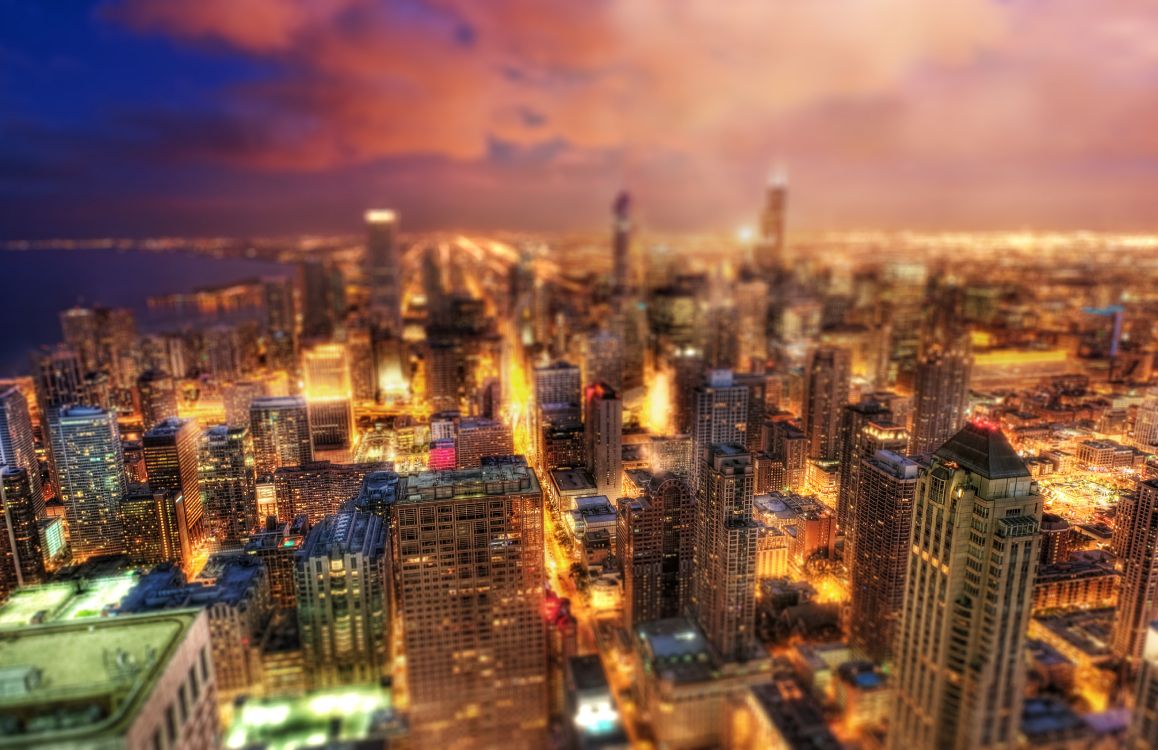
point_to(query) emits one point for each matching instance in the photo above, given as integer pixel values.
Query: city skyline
(125, 117)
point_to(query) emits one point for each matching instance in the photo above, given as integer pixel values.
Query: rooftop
(982, 448)
(66, 601)
(315, 719)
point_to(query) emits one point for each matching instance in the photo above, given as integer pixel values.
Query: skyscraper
(478, 438)
(721, 414)
(326, 372)
(281, 433)
(153, 525)
(940, 380)
(881, 522)
(770, 244)
(825, 396)
(382, 270)
(973, 554)
(17, 445)
(157, 397)
(655, 548)
(341, 600)
(228, 484)
(323, 298)
(172, 454)
(557, 383)
(603, 437)
(725, 551)
(1137, 603)
(21, 563)
(621, 241)
(86, 450)
(854, 448)
(1143, 733)
(474, 633)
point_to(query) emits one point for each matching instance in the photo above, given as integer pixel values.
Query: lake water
(38, 284)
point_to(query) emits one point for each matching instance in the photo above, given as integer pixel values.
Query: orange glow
(657, 407)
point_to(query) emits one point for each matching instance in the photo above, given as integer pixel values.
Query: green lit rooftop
(295, 723)
(66, 601)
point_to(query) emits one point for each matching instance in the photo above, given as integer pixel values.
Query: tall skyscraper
(341, 600)
(323, 298)
(1138, 597)
(603, 359)
(17, 445)
(382, 270)
(603, 437)
(655, 542)
(770, 244)
(172, 455)
(59, 375)
(881, 522)
(621, 241)
(557, 383)
(153, 522)
(725, 551)
(825, 396)
(280, 322)
(157, 397)
(854, 448)
(86, 450)
(329, 394)
(228, 484)
(721, 414)
(474, 634)
(21, 562)
(281, 433)
(944, 363)
(960, 649)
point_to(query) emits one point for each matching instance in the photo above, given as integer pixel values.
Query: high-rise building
(603, 359)
(275, 547)
(654, 536)
(621, 242)
(342, 600)
(1143, 733)
(329, 395)
(940, 388)
(281, 433)
(825, 397)
(557, 383)
(960, 648)
(478, 438)
(1137, 602)
(280, 322)
(720, 417)
(725, 552)
(871, 437)
(21, 561)
(86, 451)
(382, 269)
(881, 522)
(323, 298)
(17, 445)
(853, 420)
(228, 484)
(770, 244)
(172, 459)
(157, 397)
(474, 634)
(59, 375)
(603, 437)
(155, 531)
(318, 489)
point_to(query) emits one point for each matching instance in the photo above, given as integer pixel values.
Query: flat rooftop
(91, 676)
(65, 601)
(498, 475)
(313, 720)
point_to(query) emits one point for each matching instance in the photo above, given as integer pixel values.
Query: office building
(21, 558)
(724, 595)
(343, 619)
(280, 427)
(86, 451)
(872, 437)
(621, 242)
(474, 635)
(329, 396)
(228, 484)
(382, 269)
(479, 438)
(881, 523)
(154, 523)
(557, 383)
(825, 397)
(603, 359)
(960, 649)
(770, 245)
(17, 445)
(1137, 606)
(853, 420)
(603, 437)
(156, 397)
(172, 460)
(276, 547)
(323, 296)
(149, 677)
(940, 390)
(319, 488)
(720, 416)
(654, 538)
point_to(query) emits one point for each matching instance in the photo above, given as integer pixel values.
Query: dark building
(21, 561)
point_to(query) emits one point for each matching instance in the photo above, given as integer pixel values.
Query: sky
(271, 117)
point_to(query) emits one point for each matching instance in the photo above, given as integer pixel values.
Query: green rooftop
(312, 720)
(66, 601)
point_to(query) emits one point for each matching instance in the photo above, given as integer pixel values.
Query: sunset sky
(134, 117)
